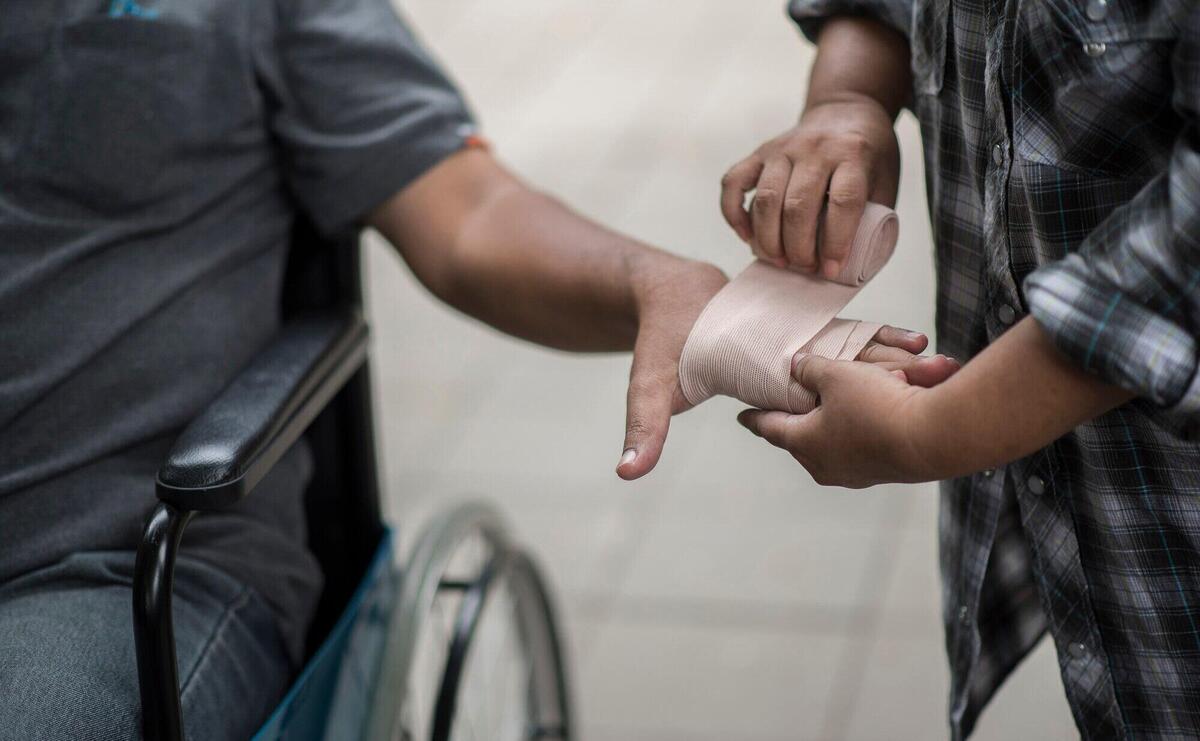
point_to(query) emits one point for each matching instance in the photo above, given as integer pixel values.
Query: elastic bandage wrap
(743, 342)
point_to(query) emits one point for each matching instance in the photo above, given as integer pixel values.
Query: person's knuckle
(766, 200)
(846, 197)
(795, 209)
(856, 145)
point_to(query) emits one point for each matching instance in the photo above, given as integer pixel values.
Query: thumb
(813, 372)
(647, 418)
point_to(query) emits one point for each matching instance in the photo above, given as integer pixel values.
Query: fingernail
(909, 335)
(797, 358)
(627, 457)
(901, 375)
(830, 268)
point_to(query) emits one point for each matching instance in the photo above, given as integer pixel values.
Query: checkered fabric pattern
(1062, 149)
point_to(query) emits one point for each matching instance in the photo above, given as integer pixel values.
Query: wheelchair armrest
(223, 453)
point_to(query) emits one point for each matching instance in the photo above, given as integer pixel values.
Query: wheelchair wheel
(473, 650)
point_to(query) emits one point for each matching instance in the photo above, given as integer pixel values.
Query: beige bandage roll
(743, 343)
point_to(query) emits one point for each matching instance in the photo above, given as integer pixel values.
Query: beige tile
(903, 692)
(913, 602)
(1031, 704)
(663, 681)
(752, 561)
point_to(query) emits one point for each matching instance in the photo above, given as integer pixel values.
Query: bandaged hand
(670, 295)
(743, 343)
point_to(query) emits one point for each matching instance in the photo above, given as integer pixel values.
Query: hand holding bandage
(743, 343)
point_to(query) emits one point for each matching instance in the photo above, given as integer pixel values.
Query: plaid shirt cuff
(810, 14)
(1111, 334)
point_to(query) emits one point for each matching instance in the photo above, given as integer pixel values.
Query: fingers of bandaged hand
(914, 369)
(895, 350)
(877, 353)
(906, 339)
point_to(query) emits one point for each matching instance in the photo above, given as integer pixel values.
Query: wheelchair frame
(313, 380)
(424, 579)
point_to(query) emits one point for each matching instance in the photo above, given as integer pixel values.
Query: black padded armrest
(226, 451)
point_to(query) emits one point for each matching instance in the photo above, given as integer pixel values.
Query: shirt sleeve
(1126, 305)
(359, 109)
(810, 14)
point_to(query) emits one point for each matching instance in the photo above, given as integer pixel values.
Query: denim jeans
(67, 663)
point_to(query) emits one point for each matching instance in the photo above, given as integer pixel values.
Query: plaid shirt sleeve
(809, 14)
(1127, 306)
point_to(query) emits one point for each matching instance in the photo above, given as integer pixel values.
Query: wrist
(848, 98)
(653, 273)
(922, 436)
(862, 55)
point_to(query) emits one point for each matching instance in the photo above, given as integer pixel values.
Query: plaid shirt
(1062, 148)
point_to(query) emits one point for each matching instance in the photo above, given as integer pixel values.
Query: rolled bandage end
(743, 342)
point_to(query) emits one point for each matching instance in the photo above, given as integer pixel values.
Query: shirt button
(1097, 10)
(989, 473)
(998, 155)
(1077, 650)
(1095, 48)
(964, 615)
(1036, 485)
(1006, 314)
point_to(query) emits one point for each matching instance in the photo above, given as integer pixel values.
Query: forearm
(529, 266)
(860, 57)
(487, 244)
(1016, 397)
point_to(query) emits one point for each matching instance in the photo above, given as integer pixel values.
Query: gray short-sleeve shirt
(153, 157)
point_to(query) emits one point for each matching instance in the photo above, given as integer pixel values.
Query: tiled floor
(726, 596)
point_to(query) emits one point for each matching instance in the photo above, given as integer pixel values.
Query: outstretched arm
(494, 248)
(520, 260)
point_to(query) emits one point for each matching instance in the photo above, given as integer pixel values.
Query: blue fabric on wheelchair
(329, 700)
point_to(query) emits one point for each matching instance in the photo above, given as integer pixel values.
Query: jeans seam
(239, 600)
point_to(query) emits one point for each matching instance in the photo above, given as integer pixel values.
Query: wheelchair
(459, 643)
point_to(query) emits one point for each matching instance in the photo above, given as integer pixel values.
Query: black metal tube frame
(513, 565)
(153, 628)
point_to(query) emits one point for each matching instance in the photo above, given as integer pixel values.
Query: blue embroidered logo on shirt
(121, 8)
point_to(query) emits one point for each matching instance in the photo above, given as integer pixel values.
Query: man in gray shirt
(153, 159)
